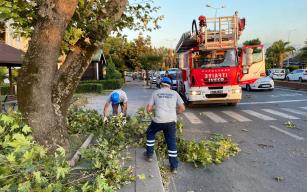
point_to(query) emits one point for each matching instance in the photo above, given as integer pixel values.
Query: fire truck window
(257, 55)
(214, 59)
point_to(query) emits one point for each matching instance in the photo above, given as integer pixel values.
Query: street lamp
(216, 8)
(289, 33)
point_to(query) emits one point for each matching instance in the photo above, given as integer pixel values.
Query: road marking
(283, 101)
(304, 107)
(192, 118)
(280, 114)
(287, 133)
(291, 90)
(236, 116)
(295, 111)
(259, 115)
(287, 95)
(214, 117)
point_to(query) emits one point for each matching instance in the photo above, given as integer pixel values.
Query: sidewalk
(147, 174)
(138, 96)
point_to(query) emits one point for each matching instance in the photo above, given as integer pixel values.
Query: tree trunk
(38, 72)
(147, 79)
(44, 90)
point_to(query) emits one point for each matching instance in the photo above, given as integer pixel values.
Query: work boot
(174, 171)
(147, 157)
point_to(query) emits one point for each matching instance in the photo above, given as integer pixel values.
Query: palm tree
(279, 51)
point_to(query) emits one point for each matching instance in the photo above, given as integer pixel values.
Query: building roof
(10, 56)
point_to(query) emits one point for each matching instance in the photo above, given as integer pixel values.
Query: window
(214, 59)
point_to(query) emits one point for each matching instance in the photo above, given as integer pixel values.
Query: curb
(72, 162)
(152, 181)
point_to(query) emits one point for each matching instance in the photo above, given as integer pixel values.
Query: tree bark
(38, 71)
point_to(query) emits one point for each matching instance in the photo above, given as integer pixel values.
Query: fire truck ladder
(218, 33)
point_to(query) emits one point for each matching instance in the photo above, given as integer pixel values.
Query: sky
(268, 20)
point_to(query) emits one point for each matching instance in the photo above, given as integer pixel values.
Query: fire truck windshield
(214, 59)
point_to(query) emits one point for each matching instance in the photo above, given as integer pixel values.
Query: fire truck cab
(212, 67)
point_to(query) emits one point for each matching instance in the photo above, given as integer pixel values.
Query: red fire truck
(211, 64)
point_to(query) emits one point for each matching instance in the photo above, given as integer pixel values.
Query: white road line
(282, 101)
(295, 111)
(259, 115)
(304, 107)
(236, 116)
(287, 133)
(291, 90)
(280, 114)
(214, 117)
(192, 118)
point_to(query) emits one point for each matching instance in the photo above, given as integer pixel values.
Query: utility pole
(289, 33)
(215, 15)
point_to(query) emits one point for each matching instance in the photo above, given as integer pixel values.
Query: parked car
(277, 73)
(264, 83)
(152, 79)
(171, 73)
(159, 76)
(297, 75)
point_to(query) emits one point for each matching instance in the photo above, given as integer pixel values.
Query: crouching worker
(164, 102)
(116, 98)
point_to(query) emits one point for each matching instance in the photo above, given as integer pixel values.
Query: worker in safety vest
(164, 102)
(116, 98)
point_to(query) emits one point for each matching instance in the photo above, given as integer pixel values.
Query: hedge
(5, 89)
(89, 88)
(106, 84)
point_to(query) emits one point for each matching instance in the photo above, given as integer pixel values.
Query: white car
(297, 75)
(277, 73)
(264, 83)
(152, 80)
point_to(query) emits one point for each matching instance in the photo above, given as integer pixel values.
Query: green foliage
(151, 61)
(90, 17)
(24, 165)
(5, 89)
(106, 84)
(89, 88)
(278, 52)
(84, 121)
(252, 42)
(112, 72)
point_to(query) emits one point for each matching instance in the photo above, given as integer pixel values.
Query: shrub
(112, 72)
(106, 84)
(5, 89)
(89, 88)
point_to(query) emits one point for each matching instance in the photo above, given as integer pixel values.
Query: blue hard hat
(115, 98)
(166, 80)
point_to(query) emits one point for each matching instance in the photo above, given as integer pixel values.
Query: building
(96, 69)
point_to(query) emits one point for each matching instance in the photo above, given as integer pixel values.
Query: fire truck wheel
(248, 88)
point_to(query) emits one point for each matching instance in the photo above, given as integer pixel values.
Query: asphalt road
(269, 148)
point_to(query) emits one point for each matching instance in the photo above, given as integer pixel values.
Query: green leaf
(2, 129)
(7, 119)
(19, 141)
(26, 129)
(61, 172)
(85, 187)
(24, 187)
(11, 158)
(141, 177)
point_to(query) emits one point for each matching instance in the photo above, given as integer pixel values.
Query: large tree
(278, 52)
(56, 27)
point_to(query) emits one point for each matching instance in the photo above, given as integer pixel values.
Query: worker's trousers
(169, 130)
